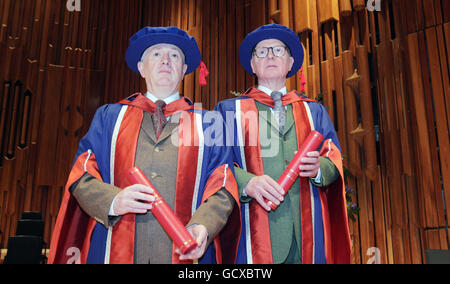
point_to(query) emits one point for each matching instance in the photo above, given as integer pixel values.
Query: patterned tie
(279, 110)
(159, 120)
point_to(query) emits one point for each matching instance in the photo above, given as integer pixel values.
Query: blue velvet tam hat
(149, 36)
(272, 31)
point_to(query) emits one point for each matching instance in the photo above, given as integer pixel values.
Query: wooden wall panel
(50, 66)
(383, 77)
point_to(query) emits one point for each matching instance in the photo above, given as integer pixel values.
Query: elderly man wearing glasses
(270, 124)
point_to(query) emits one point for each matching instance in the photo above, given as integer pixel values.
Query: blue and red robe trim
(108, 151)
(324, 222)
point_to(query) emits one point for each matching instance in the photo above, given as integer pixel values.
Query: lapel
(265, 114)
(289, 119)
(147, 126)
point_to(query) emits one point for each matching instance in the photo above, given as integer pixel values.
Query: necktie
(159, 120)
(279, 111)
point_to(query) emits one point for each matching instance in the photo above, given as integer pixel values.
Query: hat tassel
(203, 74)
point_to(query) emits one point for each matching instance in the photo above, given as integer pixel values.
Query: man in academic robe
(270, 124)
(105, 219)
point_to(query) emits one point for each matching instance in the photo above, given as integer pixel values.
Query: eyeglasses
(262, 52)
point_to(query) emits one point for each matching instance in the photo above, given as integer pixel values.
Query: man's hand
(261, 187)
(137, 199)
(311, 165)
(200, 235)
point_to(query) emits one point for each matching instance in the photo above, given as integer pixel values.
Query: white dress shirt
(167, 100)
(269, 91)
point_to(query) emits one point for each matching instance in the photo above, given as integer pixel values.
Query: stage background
(383, 76)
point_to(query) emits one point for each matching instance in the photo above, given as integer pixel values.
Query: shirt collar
(269, 91)
(167, 100)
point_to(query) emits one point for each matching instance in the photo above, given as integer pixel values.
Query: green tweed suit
(277, 150)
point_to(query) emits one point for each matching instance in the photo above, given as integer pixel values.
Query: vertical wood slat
(4, 19)
(433, 142)
(206, 53)
(310, 40)
(353, 154)
(198, 21)
(367, 113)
(240, 34)
(303, 17)
(328, 10)
(445, 44)
(437, 72)
(414, 204)
(345, 8)
(327, 66)
(222, 91)
(285, 20)
(12, 122)
(393, 166)
(232, 52)
(6, 91)
(424, 158)
(215, 43)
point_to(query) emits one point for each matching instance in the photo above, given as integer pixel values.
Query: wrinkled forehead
(270, 42)
(160, 46)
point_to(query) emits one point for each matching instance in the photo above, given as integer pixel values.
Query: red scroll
(292, 171)
(165, 216)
